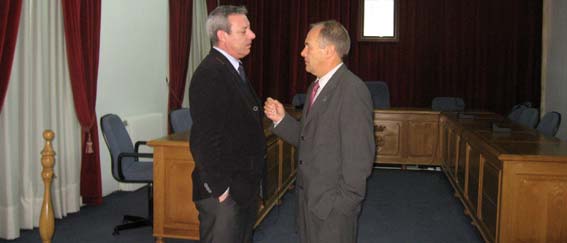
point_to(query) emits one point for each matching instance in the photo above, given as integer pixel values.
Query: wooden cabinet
(407, 136)
(512, 184)
(280, 173)
(175, 214)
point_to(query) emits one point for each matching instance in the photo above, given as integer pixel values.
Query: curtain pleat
(39, 97)
(10, 11)
(82, 35)
(180, 16)
(488, 52)
(200, 43)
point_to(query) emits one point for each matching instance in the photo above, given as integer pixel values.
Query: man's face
(312, 53)
(239, 41)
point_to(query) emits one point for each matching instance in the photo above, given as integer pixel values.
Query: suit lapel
(323, 97)
(247, 95)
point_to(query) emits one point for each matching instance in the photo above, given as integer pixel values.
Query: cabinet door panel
(178, 188)
(288, 161)
(473, 177)
(388, 140)
(461, 160)
(444, 143)
(271, 179)
(490, 187)
(452, 147)
(422, 140)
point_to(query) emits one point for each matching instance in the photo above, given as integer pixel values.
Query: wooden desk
(407, 136)
(513, 184)
(175, 214)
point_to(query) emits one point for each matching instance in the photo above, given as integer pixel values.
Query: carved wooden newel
(46, 219)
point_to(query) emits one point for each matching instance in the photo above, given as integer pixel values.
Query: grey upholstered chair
(298, 100)
(529, 117)
(126, 166)
(448, 104)
(549, 123)
(380, 94)
(180, 120)
(516, 111)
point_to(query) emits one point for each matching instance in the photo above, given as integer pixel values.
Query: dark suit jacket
(227, 138)
(335, 142)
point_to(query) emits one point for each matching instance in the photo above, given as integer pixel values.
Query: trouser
(225, 222)
(336, 228)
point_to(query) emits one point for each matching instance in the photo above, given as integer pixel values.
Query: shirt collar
(235, 62)
(325, 79)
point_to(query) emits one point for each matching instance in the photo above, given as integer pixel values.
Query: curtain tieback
(89, 145)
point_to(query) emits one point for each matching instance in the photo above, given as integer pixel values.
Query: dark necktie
(241, 73)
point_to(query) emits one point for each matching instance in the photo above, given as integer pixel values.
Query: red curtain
(82, 35)
(211, 4)
(488, 52)
(10, 11)
(180, 18)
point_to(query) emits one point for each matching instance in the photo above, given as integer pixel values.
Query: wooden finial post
(46, 218)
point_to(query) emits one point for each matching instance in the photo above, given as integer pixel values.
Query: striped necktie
(313, 93)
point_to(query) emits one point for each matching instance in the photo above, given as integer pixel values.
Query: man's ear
(221, 35)
(329, 50)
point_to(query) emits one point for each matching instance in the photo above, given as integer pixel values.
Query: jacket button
(300, 162)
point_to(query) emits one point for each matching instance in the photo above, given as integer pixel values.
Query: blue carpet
(401, 206)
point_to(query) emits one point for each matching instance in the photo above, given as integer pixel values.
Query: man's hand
(274, 110)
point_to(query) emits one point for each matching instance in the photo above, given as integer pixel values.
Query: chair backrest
(298, 100)
(380, 94)
(529, 117)
(517, 109)
(448, 104)
(549, 123)
(118, 141)
(180, 120)
(514, 115)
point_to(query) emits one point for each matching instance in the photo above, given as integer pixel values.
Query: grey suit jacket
(335, 142)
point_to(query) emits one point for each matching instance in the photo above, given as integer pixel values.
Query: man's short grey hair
(218, 20)
(334, 33)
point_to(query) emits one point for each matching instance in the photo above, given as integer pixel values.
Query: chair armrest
(137, 145)
(132, 155)
(145, 155)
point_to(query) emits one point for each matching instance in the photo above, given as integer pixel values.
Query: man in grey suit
(334, 138)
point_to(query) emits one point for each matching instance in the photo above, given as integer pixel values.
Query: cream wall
(554, 61)
(133, 65)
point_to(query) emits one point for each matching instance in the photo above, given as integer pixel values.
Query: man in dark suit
(334, 138)
(227, 139)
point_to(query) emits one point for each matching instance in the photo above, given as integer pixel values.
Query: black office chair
(529, 117)
(448, 104)
(298, 100)
(180, 120)
(380, 94)
(126, 166)
(549, 123)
